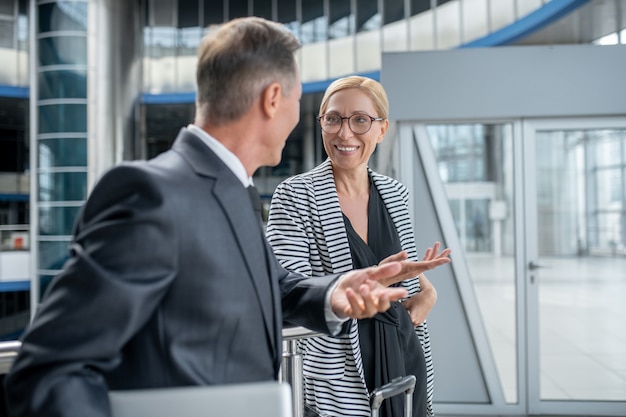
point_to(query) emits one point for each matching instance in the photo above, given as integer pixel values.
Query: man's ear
(270, 99)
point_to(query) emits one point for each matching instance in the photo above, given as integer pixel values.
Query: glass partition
(475, 163)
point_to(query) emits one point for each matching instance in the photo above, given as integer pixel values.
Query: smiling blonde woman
(342, 215)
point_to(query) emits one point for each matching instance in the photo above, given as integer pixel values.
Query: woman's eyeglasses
(359, 123)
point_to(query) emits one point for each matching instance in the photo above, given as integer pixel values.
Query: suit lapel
(235, 202)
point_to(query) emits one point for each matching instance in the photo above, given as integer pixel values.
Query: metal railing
(8, 352)
(291, 370)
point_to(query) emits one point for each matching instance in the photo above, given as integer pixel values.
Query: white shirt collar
(229, 158)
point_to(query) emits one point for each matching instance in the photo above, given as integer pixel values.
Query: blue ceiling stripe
(528, 24)
(169, 98)
(13, 286)
(14, 197)
(11, 91)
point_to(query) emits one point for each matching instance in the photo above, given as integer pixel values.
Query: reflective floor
(582, 330)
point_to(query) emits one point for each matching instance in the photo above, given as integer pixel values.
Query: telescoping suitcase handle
(398, 385)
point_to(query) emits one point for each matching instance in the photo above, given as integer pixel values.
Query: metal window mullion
(433, 11)
(407, 19)
(62, 34)
(62, 135)
(381, 37)
(353, 13)
(54, 101)
(61, 170)
(73, 203)
(489, 22)
(35, 288)
(15, 25)
(326, 12)
(42, 2)
(618, 22)
(48, 271)
(461, 24)
(62, 67)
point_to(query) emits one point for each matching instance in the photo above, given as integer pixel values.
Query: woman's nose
(344, 131)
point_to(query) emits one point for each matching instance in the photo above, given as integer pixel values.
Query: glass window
(419, 6)
(59, 118)
(478, 228)
(63, 16)
(393, 10)
(314, 25)
(52, 255)
(368, 16)
(44, 280)
(22, 33)
(7, 8)
(213, 12)
(237, 8)
(189, 40)
(476, 166)
(23, 6)
(187, 13)
(162, 124)
(62, 186)
(62, 84)
(7, 34)
(287, 12)
(341, 19)
(63, 50)
(606, 147)
(162, 13)
(160, 41)
(263, 8)
(461, 151)
(63, 152)
(287, 15)
(57, 220)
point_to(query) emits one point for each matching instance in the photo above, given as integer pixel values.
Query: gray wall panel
(503, 82)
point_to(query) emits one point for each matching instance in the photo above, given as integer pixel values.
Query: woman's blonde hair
(371, 87)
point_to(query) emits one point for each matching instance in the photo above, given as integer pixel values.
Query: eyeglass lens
(359, 123)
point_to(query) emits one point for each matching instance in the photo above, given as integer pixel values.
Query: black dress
(389, 346)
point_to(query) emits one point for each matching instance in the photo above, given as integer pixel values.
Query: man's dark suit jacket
(170, 282)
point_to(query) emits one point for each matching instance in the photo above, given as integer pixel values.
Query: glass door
(575, 221)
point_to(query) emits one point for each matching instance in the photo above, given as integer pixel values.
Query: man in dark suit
(170, 281)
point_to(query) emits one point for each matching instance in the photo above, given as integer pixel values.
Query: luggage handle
(398, 385)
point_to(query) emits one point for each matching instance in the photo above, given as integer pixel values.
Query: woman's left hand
(420, 304)
(410, 269)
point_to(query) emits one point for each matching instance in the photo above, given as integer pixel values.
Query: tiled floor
(582, 325)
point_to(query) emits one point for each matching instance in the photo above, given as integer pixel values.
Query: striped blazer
(307, 233)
